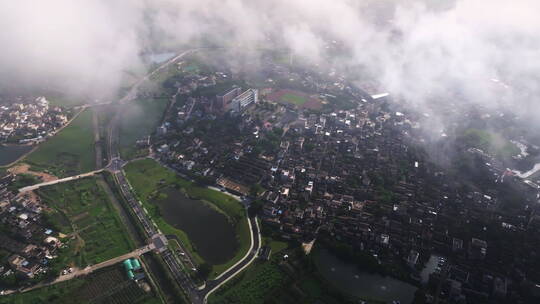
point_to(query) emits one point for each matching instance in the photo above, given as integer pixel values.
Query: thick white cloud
(416, 49)
(65, 44)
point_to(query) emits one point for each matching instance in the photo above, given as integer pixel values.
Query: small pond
(209, 230)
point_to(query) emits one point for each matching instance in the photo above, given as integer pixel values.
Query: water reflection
(349, 279)
(209, 231)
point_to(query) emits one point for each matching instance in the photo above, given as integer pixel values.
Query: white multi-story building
(240, 102)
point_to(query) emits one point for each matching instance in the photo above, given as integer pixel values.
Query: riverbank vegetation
(70, 152)
(151, 181)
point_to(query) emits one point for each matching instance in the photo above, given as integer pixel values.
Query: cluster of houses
(360, 176)
(26, 243)
(354, 175)
(26, 120)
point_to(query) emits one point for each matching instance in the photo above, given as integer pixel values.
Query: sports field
(296, 98)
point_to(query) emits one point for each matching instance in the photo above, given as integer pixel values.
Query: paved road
(136, 206)
(214, 285)
(61, 180)
(87, 270)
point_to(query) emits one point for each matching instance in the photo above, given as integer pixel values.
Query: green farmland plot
(82, 210)
(69, 152)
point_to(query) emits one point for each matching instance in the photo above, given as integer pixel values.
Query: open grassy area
(82, 210)
(138, 121)
(294, 99)
(108, 285)
(147, 177)
(69, 152)
(277, 246)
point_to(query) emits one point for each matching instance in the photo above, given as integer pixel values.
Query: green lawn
(83, 210)
(276, 246)
(147, 177)
(69, 152)
(138, 120)
(294, 99)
